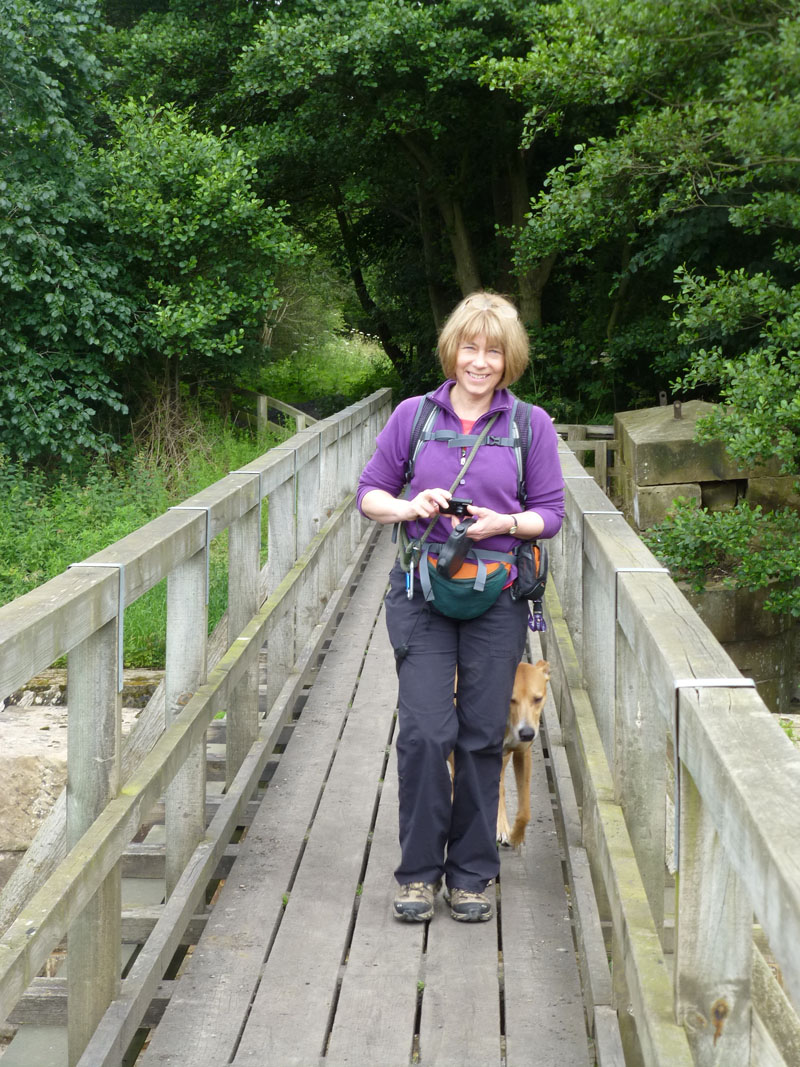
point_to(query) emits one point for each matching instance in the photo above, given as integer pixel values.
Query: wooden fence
(314, 532)
(679, 767)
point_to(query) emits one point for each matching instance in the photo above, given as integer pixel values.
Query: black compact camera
(456, 506)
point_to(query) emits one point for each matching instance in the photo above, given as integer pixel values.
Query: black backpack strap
(424, 419)
(521, 428)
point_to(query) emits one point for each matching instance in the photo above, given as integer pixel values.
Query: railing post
(244, 544)
(281, 558)
(94, 729)
(713, 952)
(185, 796)
(261, 414)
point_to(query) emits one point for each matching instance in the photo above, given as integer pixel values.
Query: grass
(329, 373)
(46, 524)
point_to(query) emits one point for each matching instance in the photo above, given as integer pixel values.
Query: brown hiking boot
(468, 907)
(414, 901)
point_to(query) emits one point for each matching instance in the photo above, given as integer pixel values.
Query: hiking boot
(414, 901)
(468, 907)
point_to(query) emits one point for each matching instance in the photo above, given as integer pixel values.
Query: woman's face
(479, 367)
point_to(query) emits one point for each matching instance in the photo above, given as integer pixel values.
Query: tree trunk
(622, 289)
(533, 280)
(465, 261)
(370, 308)
(436, 295)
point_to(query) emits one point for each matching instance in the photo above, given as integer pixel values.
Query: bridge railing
(684, 780)
(308, 486)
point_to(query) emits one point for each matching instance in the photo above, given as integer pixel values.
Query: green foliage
(745, 547)
(201, 249)
(329, 372)
(46, 526)
(65, 325)
(687, 164)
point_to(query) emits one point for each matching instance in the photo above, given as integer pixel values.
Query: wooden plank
(543, 1001)
(289, 1018)
(776, 1015)
(714, 942)
(72, 885)
(607, 1043)
(663, 1042)
(219, 982)
(461, 999)
(752, 803)
(385, 961)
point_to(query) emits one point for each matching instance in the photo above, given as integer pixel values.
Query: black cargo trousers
(438, 838)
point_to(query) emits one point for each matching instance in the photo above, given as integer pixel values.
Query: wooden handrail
(675, 762)
(308, 484)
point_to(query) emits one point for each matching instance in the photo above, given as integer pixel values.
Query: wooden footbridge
(217, 887)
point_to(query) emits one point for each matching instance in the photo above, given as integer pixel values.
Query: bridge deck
(301, 961)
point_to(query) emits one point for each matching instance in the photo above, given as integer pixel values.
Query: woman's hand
(381, 506)
(428, 503)
(493, 523)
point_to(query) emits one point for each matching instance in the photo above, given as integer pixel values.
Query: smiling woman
(482, 348)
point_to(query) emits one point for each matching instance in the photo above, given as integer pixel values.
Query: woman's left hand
(490, 523)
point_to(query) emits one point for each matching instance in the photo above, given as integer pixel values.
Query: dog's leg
(523, 759)
(503, 829)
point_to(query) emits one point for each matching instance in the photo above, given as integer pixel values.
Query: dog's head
(527, 701)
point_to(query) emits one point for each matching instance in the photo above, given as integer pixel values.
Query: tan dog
(522, 726)
(524, 714)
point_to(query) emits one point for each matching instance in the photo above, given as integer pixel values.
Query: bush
(745, 547)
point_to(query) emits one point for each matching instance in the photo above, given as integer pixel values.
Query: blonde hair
(493, 317)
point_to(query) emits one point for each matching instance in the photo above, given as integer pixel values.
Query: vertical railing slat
(185, 672)
(713, 957)
(94, 729)
(244, 544)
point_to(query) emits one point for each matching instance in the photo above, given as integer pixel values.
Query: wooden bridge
(222, 880)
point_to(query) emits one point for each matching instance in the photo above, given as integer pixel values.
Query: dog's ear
(544, 667)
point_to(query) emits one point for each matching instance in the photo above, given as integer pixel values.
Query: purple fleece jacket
(491, 480)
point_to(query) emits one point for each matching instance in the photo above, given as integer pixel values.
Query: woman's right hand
(428, 503)
(381, 506)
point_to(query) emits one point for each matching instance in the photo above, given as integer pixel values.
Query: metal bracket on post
(120, 613)
(207, 509)
(693, 683)
(260, 491)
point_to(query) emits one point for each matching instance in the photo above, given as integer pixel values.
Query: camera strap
(415, 546)
(418, 543)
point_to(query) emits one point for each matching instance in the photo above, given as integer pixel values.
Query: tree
(376, 108)
(201, 250)
(698, 176)
(64, 325)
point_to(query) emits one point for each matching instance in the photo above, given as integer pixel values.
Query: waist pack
(461, 581)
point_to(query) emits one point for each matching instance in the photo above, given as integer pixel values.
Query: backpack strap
(520, 439)
(424, 418)
(521, 429)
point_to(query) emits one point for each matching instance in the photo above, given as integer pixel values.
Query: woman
(483, 348)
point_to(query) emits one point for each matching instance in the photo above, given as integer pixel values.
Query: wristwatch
(514, 525)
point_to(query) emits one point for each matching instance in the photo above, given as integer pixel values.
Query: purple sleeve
(543, 477)
(386, 468)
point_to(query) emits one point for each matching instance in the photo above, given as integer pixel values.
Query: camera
(456, 506)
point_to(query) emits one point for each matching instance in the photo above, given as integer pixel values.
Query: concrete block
(652, 502)
(772, 493)
(660, 449)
